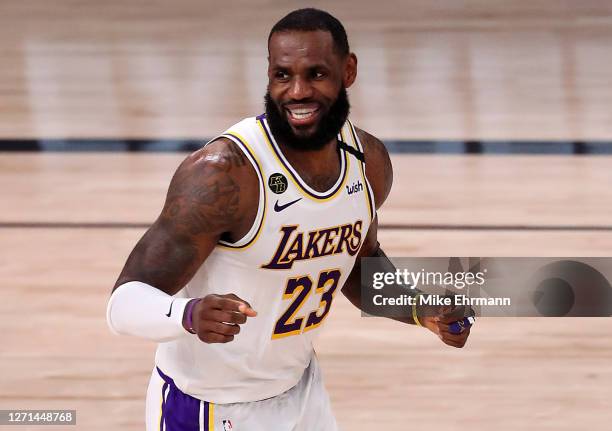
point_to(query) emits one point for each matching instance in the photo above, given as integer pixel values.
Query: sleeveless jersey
(289, 266)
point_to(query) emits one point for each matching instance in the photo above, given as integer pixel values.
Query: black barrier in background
(488, 147)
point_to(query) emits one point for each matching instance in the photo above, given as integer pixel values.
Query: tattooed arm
(213, 192)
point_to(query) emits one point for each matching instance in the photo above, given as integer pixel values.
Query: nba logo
(227, 425)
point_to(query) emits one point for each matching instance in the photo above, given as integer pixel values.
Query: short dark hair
(311, 19)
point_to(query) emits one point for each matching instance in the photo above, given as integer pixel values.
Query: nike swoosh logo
(279, 208)
(170, 311)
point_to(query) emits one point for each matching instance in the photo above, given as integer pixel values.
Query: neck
(327, 151)
(319, 168)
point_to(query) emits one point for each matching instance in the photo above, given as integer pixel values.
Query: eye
(281, 75)
(318, 74)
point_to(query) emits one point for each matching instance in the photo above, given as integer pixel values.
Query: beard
(327, 129)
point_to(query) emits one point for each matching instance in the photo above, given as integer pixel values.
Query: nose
(300, 89)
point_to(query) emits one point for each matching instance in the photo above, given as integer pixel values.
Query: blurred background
(498, 117)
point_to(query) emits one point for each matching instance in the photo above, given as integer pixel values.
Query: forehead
(289, 47)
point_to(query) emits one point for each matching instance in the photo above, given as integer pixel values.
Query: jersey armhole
(250, 237)
(362, 166)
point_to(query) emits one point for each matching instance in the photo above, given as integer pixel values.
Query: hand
(440, 323)
(217, 318)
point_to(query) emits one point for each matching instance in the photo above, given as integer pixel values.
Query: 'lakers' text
(295, 245)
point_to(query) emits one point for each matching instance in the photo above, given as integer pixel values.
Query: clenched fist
(217, 318)
(440, 323)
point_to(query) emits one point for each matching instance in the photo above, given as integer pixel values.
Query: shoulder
(378, 166)
(220, 160)
(221, 154)
(214, 185)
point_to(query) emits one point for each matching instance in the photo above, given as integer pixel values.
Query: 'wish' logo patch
(355, 188)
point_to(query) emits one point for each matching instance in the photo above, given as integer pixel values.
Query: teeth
(301, 113)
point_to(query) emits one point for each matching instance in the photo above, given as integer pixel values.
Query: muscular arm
(379, 172)
(380, 176)
(214, 191)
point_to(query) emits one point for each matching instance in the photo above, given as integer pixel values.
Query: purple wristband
(189, 312)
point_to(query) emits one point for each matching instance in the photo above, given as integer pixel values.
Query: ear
(350, 70)
(268, 69)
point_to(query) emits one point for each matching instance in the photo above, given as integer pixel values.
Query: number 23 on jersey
(297, 290)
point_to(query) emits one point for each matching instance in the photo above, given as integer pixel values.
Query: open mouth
(302, 115)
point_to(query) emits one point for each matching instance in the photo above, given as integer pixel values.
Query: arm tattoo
(161, 260)
(204, 199)
(202, 203)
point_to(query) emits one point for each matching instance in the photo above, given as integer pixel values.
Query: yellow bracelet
(414, 310)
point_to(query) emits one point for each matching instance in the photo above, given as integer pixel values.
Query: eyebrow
(277, 66)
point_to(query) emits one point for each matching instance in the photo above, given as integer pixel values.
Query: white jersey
(296, 257)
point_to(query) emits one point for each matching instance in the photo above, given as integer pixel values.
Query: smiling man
(260, 230)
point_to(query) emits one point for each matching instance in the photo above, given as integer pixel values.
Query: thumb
(246, 309)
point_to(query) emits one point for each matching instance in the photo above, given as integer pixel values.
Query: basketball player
(260, 230)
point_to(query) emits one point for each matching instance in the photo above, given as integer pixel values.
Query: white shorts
(304, 407)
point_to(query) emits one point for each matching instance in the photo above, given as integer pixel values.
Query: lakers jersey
(289, 267)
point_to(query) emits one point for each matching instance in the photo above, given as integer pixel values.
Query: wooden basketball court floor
(150, 69)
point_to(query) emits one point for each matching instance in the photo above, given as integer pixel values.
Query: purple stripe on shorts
(206, 416)
(180, 412)
(163, 407)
